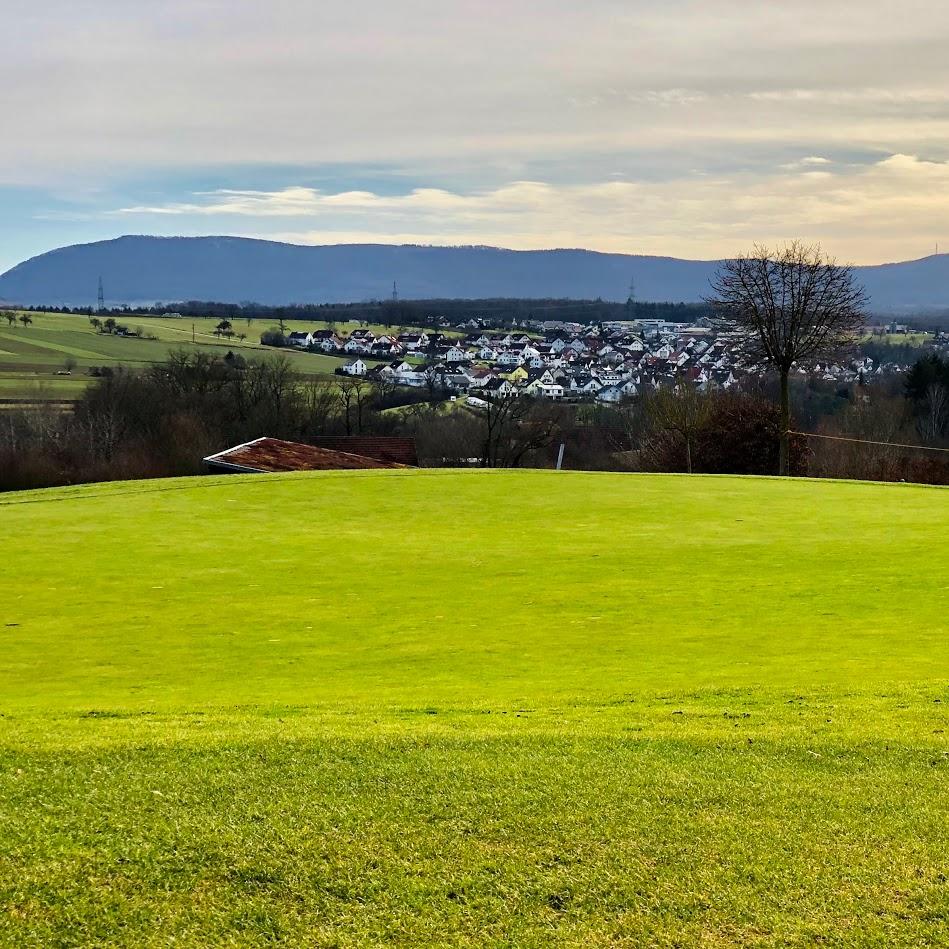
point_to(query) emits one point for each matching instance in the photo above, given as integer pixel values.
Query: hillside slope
(231, 269)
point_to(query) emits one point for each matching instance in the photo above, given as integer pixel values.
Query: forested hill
(230, 269)
(139, 270)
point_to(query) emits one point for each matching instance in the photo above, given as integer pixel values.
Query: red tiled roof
(274, 454)
(401, 451)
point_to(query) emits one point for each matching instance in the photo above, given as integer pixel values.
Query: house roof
(397, 451)
(275, 454)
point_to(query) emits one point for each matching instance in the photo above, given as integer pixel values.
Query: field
(475, 708)
(901, 339)
(31, 356)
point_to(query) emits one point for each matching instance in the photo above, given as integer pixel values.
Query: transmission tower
(395, 293)
(101, 296)
(631, 299)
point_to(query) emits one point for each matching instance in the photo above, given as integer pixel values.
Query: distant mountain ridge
(141, 269)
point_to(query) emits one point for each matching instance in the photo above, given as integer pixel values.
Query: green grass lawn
(470, 708)
(42, 386)
(901, 339)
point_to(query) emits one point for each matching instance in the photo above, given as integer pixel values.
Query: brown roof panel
(401, 451)
(274, 454)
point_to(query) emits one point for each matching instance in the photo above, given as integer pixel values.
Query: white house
(499, 387)
(329, 344)
(546, 390)
(617, 392)
(355, 368)
(414, 341)
(588, 384)
(357, 345)
(457, 379)
(410, 377)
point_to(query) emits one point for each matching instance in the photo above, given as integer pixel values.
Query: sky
(691, 129)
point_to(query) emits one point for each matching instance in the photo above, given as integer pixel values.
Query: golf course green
(522, 708)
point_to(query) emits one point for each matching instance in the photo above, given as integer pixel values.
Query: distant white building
(355, 368)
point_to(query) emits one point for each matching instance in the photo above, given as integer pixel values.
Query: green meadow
(475, 708)
(30, 356)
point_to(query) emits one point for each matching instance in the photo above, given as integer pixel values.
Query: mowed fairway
(475, 708)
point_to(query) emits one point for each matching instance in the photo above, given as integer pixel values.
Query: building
(263, 455)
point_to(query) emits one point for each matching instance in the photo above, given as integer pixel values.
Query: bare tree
(514, 426)
(864, 429)
(354, 395)
(789, 305)
(281, 392)
(322, 401)
(683, 410)
(935, 412)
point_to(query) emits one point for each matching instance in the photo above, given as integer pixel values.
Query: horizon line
(493, 247)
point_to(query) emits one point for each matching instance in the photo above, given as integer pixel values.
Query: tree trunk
(688, 454)
(784, 445)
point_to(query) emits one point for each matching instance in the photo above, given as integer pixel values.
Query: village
(605, 363)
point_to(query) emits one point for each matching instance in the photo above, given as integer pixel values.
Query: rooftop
(274, 454)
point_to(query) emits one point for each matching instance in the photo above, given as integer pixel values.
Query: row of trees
(12, 317)
(164, 421)
(493, 312)
(927, 388)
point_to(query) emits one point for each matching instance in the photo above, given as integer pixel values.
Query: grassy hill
(472, 708)
(30, 356)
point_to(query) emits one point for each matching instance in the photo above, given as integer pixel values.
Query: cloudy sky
(683, 127)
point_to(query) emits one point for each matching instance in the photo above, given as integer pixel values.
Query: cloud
(112, 84)
(718, 118)
(885, 210)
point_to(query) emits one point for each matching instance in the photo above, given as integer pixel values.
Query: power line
(866, 441)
